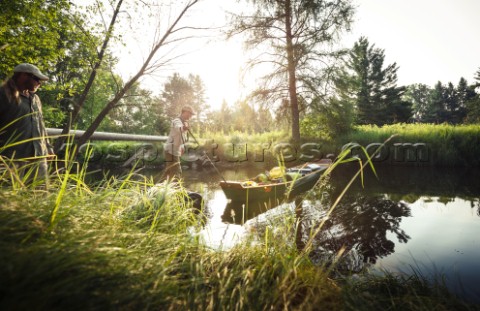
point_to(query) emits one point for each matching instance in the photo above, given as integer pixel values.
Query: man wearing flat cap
(23, 137)
(175, 145)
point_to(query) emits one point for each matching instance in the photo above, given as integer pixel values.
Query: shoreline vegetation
(434, 145)
(127, 244)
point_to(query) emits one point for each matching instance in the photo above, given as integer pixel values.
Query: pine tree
(177, 93)
(438, 113)
(295, 37)
(419, 95)
(473, 103)
(464, 93)
(477, 78)
(371, 87)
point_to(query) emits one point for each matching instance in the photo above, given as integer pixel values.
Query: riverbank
(126, 245)
(420, 144)
(399, 145)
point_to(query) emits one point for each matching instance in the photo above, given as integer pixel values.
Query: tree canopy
(294, 38)
(50, 34)
(371, 87)
(179, 91)
(290, 41)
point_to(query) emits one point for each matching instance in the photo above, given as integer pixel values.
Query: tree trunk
(66, 129)
(292, 80)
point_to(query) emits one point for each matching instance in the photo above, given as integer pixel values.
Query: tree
(170, 35)
(244, 117)
(199, 102)
(473, 110)
(329, 121)
(179, 91)
(52, 35)
(293, 37)
(473, 103)
(265, 121)
(83, 96)
(457, 103)
(419, 95)
(442, 103)
(438, 112)
(100, 92)
(140, 113)
(29, 32)
(477, 79)
(219, 121)
(372, 88)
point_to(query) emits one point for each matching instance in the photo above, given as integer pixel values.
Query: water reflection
(407, 217)
(427, 218)
(359, 224)
(240, 213)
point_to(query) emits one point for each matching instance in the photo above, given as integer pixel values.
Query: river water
(406, 220)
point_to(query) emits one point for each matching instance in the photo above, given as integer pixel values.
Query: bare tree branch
(60, 141)
(145, 68)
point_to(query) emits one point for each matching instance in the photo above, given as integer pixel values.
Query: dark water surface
(409, 219)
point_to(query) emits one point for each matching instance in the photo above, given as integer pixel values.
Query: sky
(430, 40)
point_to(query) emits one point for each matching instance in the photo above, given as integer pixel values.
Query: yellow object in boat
(249, 183)
(277, 172)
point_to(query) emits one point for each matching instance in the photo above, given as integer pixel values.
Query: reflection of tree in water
(359, 223)
(475, 204)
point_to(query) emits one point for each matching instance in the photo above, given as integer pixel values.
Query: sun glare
(217, 61)
(220, 66)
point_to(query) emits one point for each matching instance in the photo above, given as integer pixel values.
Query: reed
(129, 244)
(448, 145)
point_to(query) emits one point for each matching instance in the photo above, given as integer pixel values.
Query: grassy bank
(412, 144)
(130, 245)
(446, 145)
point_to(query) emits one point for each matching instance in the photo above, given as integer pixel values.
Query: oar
(208, 158)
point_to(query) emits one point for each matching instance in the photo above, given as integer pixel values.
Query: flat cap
(29, 68)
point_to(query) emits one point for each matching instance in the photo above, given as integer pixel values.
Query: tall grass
(448, 145)
(239, 137)
(239, 147)
(129, 244)
(122, 247)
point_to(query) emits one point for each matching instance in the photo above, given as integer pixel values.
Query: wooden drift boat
(289, 182)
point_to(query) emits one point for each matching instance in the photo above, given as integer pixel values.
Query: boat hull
(270, 192)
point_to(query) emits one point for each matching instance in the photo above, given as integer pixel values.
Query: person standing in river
(23, 137)
(175, 145)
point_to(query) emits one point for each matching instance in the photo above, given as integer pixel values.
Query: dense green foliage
(52, 35)
(473, 104)
(63, 40)
(366, 93)
(139, 112)
(329, 121)
(39, 32)
(444, 103)
(371, 88)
